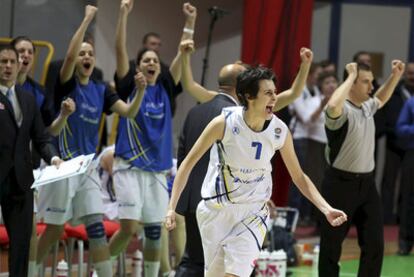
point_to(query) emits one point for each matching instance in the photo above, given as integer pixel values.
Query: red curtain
(273, 33)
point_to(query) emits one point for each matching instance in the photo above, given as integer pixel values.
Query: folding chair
(286, 218)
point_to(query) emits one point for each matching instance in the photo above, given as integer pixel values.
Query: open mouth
(25, 63)
(269, 109)
(151, 72)
(87, 65)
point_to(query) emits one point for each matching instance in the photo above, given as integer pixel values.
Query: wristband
(188, 31)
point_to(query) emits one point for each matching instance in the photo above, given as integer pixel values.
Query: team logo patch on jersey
(278, 131)
(235, 130)
(55, 210)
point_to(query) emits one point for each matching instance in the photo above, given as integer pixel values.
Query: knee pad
(153, 236)
(95, 230)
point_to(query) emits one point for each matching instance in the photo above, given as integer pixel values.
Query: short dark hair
(360, 66)
(150, 34)
(89, 38)
(323, 76)
(359, 53)
(326, 63)
(141, 53)
(18, 39)
(313, 67)
(248, 82)
(9, 47)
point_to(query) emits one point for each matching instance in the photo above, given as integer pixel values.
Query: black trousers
(388, 186)
(192, 263)
(406, 235)
(357, 196)
(17, 209)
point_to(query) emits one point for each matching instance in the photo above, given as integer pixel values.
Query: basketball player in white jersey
(233, 214)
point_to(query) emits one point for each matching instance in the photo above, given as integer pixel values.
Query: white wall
(320, 31)
(363, 27)
(375, 29)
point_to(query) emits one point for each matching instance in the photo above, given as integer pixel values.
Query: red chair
(4, 238)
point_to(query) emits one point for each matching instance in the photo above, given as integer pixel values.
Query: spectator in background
(328, 66)
(365, 58)
(152, 41)
(394, 147)
(405, 132)
(299, 126)
(316, 163)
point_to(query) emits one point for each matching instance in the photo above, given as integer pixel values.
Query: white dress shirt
(14, 102)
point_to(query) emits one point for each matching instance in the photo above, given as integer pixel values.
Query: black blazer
(196, 121)
(15, 141)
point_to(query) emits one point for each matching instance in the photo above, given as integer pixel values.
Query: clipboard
(70, 168)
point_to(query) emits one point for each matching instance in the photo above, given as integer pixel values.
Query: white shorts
(108, 197)
(35, 200)
(232, 236)
(70, 199)
(141, 195)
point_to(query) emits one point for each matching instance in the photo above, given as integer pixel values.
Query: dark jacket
(15, 141)
(195, 123)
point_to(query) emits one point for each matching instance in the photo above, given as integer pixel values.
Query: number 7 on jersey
(258, 149)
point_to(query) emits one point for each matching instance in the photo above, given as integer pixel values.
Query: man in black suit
(192, 263)
(197, 119)
(21, 123)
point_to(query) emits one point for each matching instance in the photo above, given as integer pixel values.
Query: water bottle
(315, 261)
(261, 268)
(62, 269)
(277, 264)
(137, 261)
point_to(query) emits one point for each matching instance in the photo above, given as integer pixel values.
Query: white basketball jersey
(240, 170)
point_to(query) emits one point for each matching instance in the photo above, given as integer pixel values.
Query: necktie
(9, 95)
(15, 108)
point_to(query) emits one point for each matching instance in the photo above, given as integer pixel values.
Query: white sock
(104, 268)
(32, 269)
(151, 269)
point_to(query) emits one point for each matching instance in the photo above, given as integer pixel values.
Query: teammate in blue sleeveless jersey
(26, 50)
(144, 146)
(78, 198)
(238, 182)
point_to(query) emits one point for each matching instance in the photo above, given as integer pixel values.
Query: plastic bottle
(137, 261)
(277, 264)
(261, 267)
(62, 269)
(315, 261)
